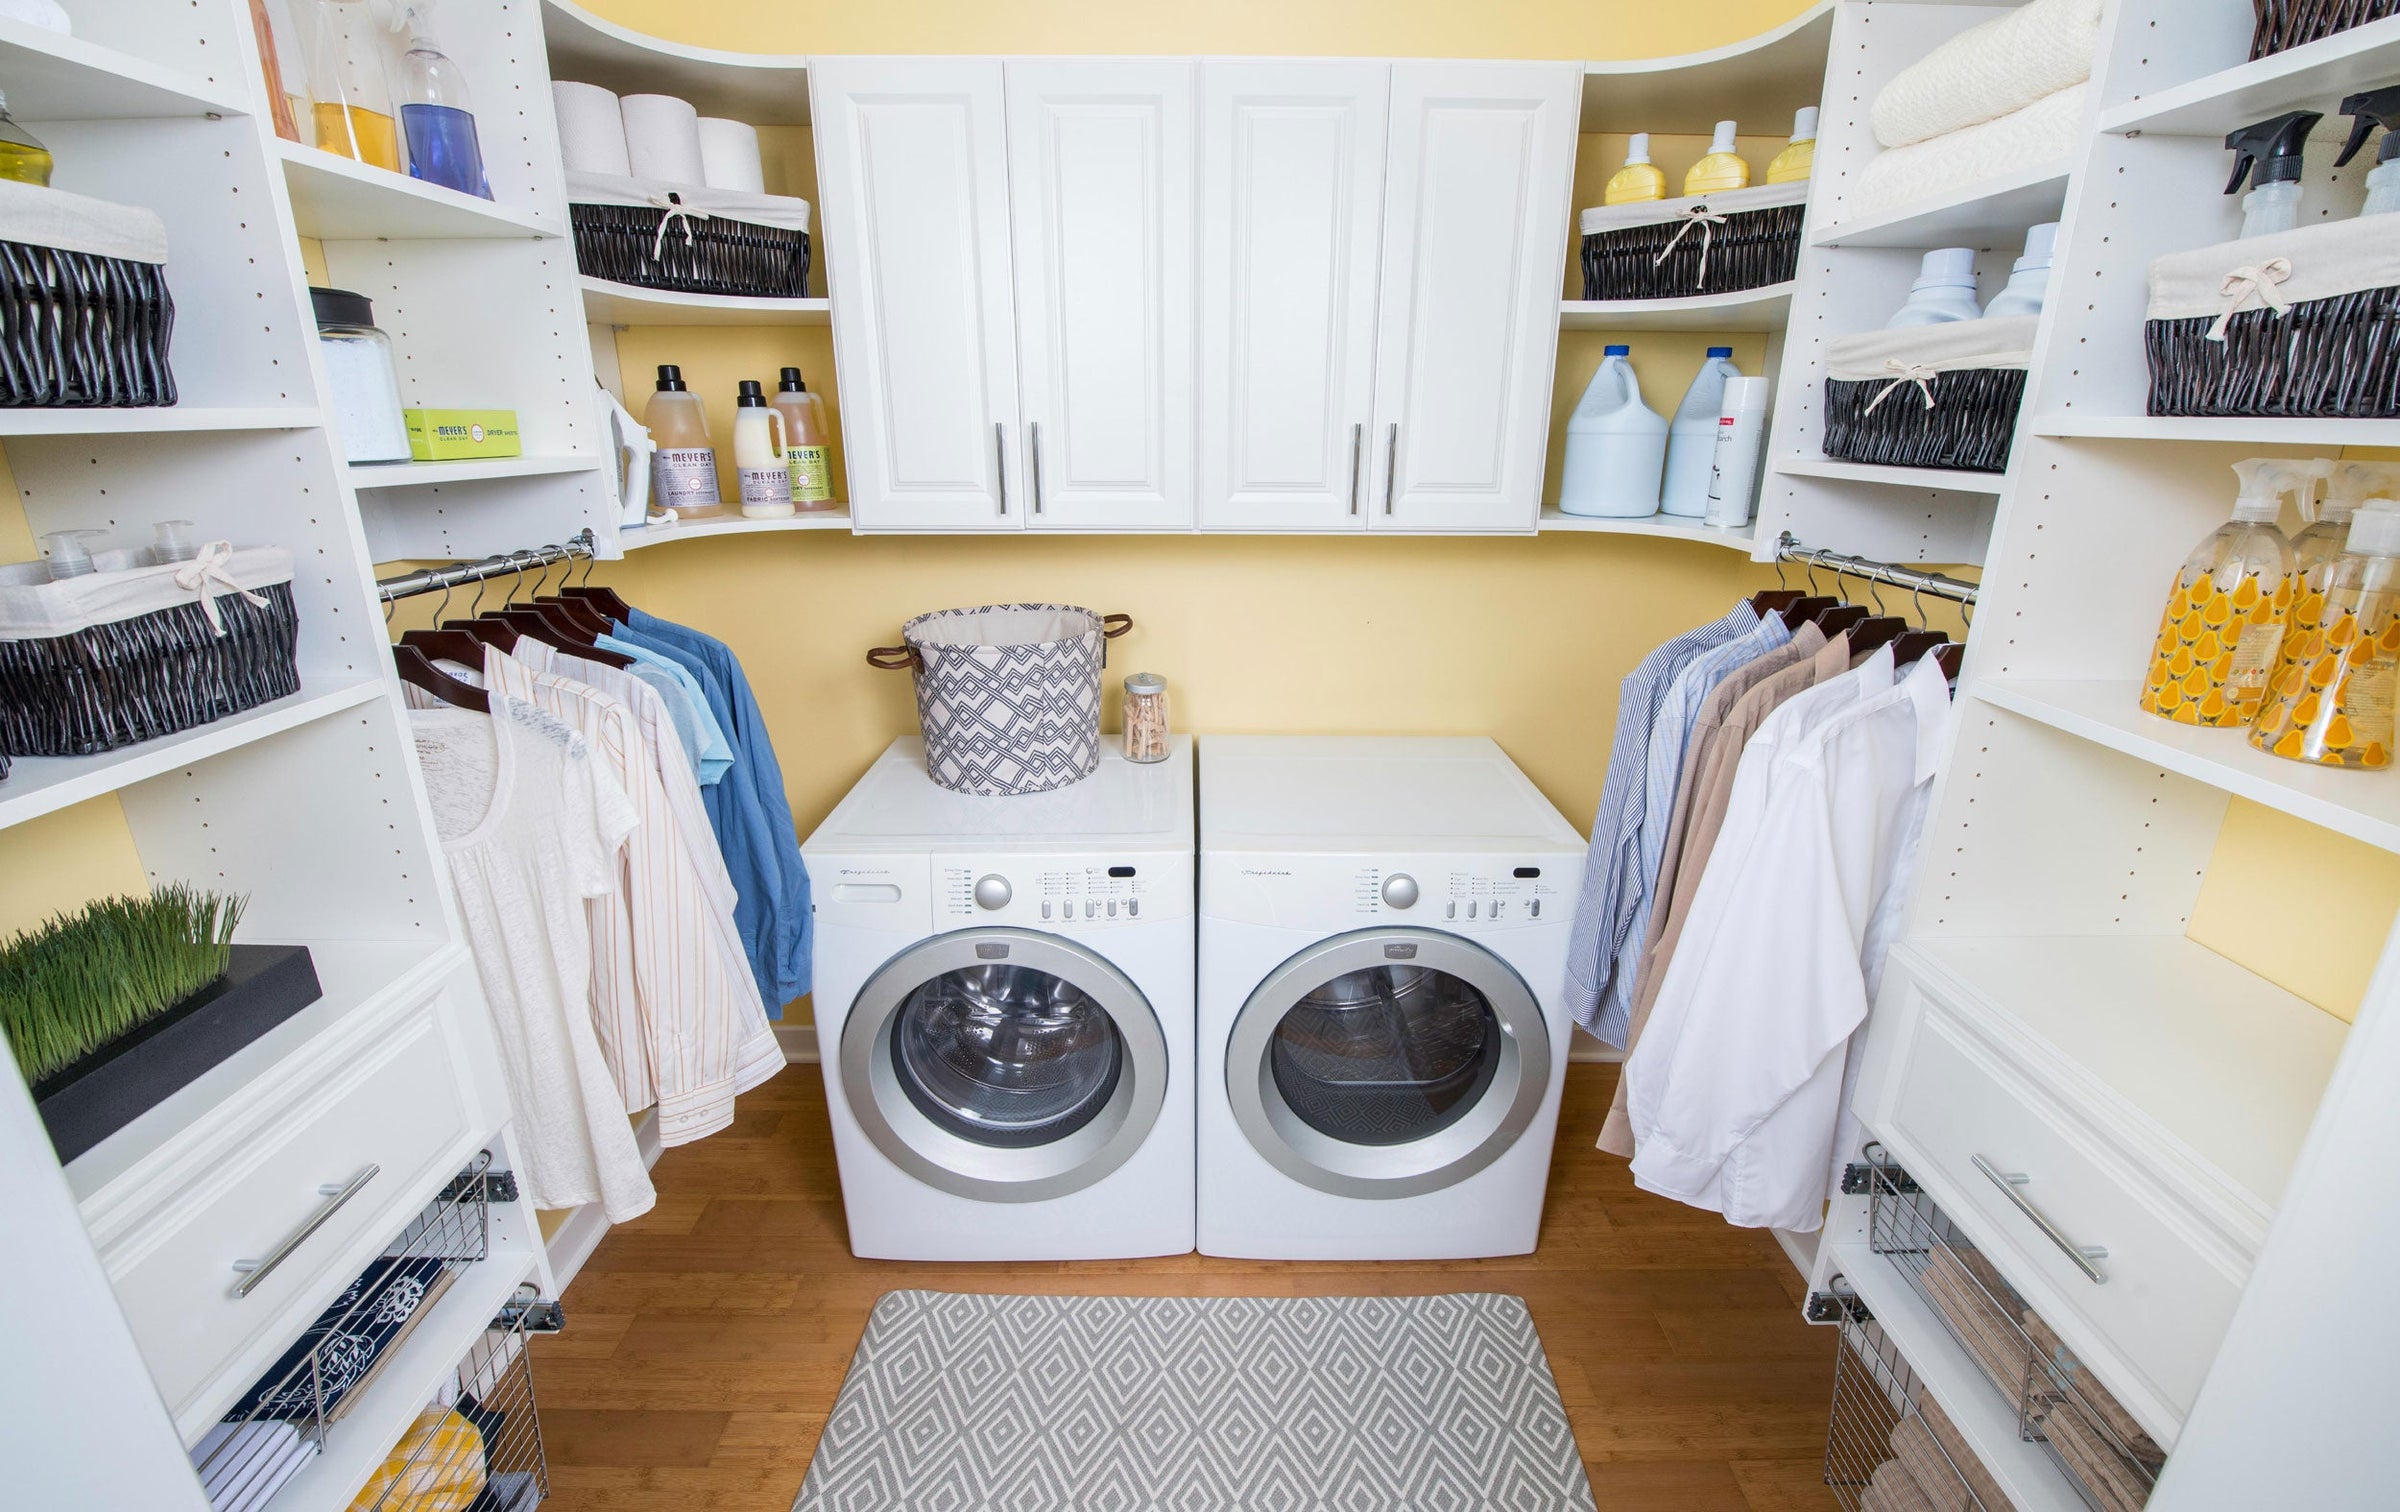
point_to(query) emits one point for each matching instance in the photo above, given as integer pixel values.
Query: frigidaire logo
(1262, 871)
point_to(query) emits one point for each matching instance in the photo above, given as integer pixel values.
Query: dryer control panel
(1056, 892)
(1447, 892)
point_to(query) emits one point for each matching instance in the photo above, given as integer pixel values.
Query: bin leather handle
(894, 658)
(1114, 625)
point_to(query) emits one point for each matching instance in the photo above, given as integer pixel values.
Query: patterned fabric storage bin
(130, 653)
(687, 239)
(84, 309)
(1009, 694)
(2304, 323)
(1929, 396)
(2286, 24)
(1708, 244)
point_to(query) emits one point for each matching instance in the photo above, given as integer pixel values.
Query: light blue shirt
(705, 743)
(1670, 738)
(1610, 886)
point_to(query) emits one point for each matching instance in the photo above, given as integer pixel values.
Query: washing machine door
(1387, 1063)
(1004, 1064)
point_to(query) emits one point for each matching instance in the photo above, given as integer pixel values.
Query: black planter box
(118, 1083)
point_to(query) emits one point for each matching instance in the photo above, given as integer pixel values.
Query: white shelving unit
(634, 538)
(312, 806)
(1767, 310)
(1663, 526)
(616, 304)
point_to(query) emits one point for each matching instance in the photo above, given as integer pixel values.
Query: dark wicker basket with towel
(1941, 396)
(1706, 244)
(84, 311)
(688, 240)
(130, 653)
(2303, 323)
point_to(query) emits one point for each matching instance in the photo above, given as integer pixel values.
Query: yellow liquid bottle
(2332, 705)
(1724, 168)
(353, 131)
(1640, 180)
(1799, 160)
(22, 157)
(351, 98)
(2223, 627)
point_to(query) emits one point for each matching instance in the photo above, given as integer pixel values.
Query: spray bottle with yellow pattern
(2332, 702)
(2318, 547)
(2218, 641)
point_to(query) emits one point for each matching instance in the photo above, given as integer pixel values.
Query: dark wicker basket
(2331, 358)
(2286, 24)
(80, 331)
(154, 674)
(721, 255)
(1969, 428)
(1754, 249)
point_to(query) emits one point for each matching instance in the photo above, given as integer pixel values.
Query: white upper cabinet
(1291, 205)
(1475, 197)
(912, 162)
(1101, 159)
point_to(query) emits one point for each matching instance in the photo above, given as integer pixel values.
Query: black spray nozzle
(2273, 147)
(2376, 107)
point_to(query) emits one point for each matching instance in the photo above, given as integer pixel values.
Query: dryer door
(1004, 1064)
(1387, 1063)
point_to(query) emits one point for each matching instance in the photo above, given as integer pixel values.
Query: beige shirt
(1718, 737)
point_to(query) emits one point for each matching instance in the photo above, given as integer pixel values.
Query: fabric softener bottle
(434, 115)
(2223, 627)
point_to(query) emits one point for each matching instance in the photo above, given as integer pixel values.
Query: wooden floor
(705, 1341)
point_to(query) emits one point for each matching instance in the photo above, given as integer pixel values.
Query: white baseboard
(799, 1043)
(1584, 1048)
(573, 1242)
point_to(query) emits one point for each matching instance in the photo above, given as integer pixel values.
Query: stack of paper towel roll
(648, 136)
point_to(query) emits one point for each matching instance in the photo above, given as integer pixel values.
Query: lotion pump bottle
(2332, 702)
(1724, 167)
(2272, 148)
(2225, 617)
(2377, 107)
(1639, 180)
(1798, 160)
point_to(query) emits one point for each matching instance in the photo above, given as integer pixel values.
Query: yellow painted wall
(2304, 907)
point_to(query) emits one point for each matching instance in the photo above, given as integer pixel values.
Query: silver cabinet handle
(1391, 464)
(2085, 1256)
(1033, 450)
(1000, 461)
(1358, 437)
(255, 1272)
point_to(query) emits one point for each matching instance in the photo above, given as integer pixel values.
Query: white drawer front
(399, 1105)
(2168, 1290)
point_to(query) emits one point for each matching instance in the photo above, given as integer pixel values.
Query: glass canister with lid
(1146, 731)
(365, 386)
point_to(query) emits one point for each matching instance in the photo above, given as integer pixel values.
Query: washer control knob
(992, 891)
(1400, 890)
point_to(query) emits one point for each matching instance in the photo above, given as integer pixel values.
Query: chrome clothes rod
(580, 546)
(1789, 549)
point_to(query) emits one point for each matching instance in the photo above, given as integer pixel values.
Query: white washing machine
(1004, 1012)
(1383, 1033)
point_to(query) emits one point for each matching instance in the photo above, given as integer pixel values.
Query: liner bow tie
(2262, 281)
(677, 210)
(198, 574)
(1707, 220)
(1904, 374)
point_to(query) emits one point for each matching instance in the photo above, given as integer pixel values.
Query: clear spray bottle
(2269, 154)
(2377, 107)
(431, 91)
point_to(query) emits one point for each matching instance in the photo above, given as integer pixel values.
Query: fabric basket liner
(1600, 218)
(2323, 261)
(34, 608)
(779, 210)
(37, 217)
(1942, 396)
(1008, 695)
(1950, 347)
(2300, 324)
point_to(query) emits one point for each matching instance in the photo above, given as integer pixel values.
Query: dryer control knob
(1400, 890)
(992, 891)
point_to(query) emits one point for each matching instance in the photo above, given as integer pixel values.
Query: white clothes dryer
(1383, 1032)
(1004, 1012)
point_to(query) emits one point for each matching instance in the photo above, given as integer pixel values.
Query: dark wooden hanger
(1876, 632)
(1952, 657)
(1774, 600)
(587, 619)
(548, 624)
(603, 599)
(418, 672)
(1913, 644)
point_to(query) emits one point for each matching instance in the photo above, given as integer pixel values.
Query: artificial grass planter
(112, 1010)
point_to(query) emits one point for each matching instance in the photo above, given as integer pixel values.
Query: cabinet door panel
(913, 172)
(1102, 200)
(1475, 221)
(1291, 205)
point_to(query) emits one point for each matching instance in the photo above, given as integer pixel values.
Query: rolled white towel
(2044, 132)
(1991, 70)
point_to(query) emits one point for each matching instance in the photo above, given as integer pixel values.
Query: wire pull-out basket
(1890, 1446)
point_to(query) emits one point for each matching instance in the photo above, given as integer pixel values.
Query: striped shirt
(1604, 909)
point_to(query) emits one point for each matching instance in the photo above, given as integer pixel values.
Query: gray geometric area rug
(958, 1403)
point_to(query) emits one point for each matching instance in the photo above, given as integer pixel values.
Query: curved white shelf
(50, 77)
(1988, 215)
(1762, 310)
(635, 538)
(339, 199)
(765, 89)
(606, 303)
(1660, 526)
(2305, 78)
(1947, 480)
(141, 419)
(2250, 428)
(1765, 79)
(467, 470)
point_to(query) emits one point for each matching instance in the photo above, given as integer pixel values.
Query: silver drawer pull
(255, 1272)
(2085, 1256)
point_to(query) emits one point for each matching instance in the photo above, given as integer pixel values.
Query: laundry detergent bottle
(2223, 627)
(1724, 168)
(1799, 160)
(1692, 439)
(1616, 446)
(1640, 180)
(2333, 707)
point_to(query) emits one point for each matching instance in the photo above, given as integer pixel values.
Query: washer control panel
(1448, 893)
(1041, 890)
